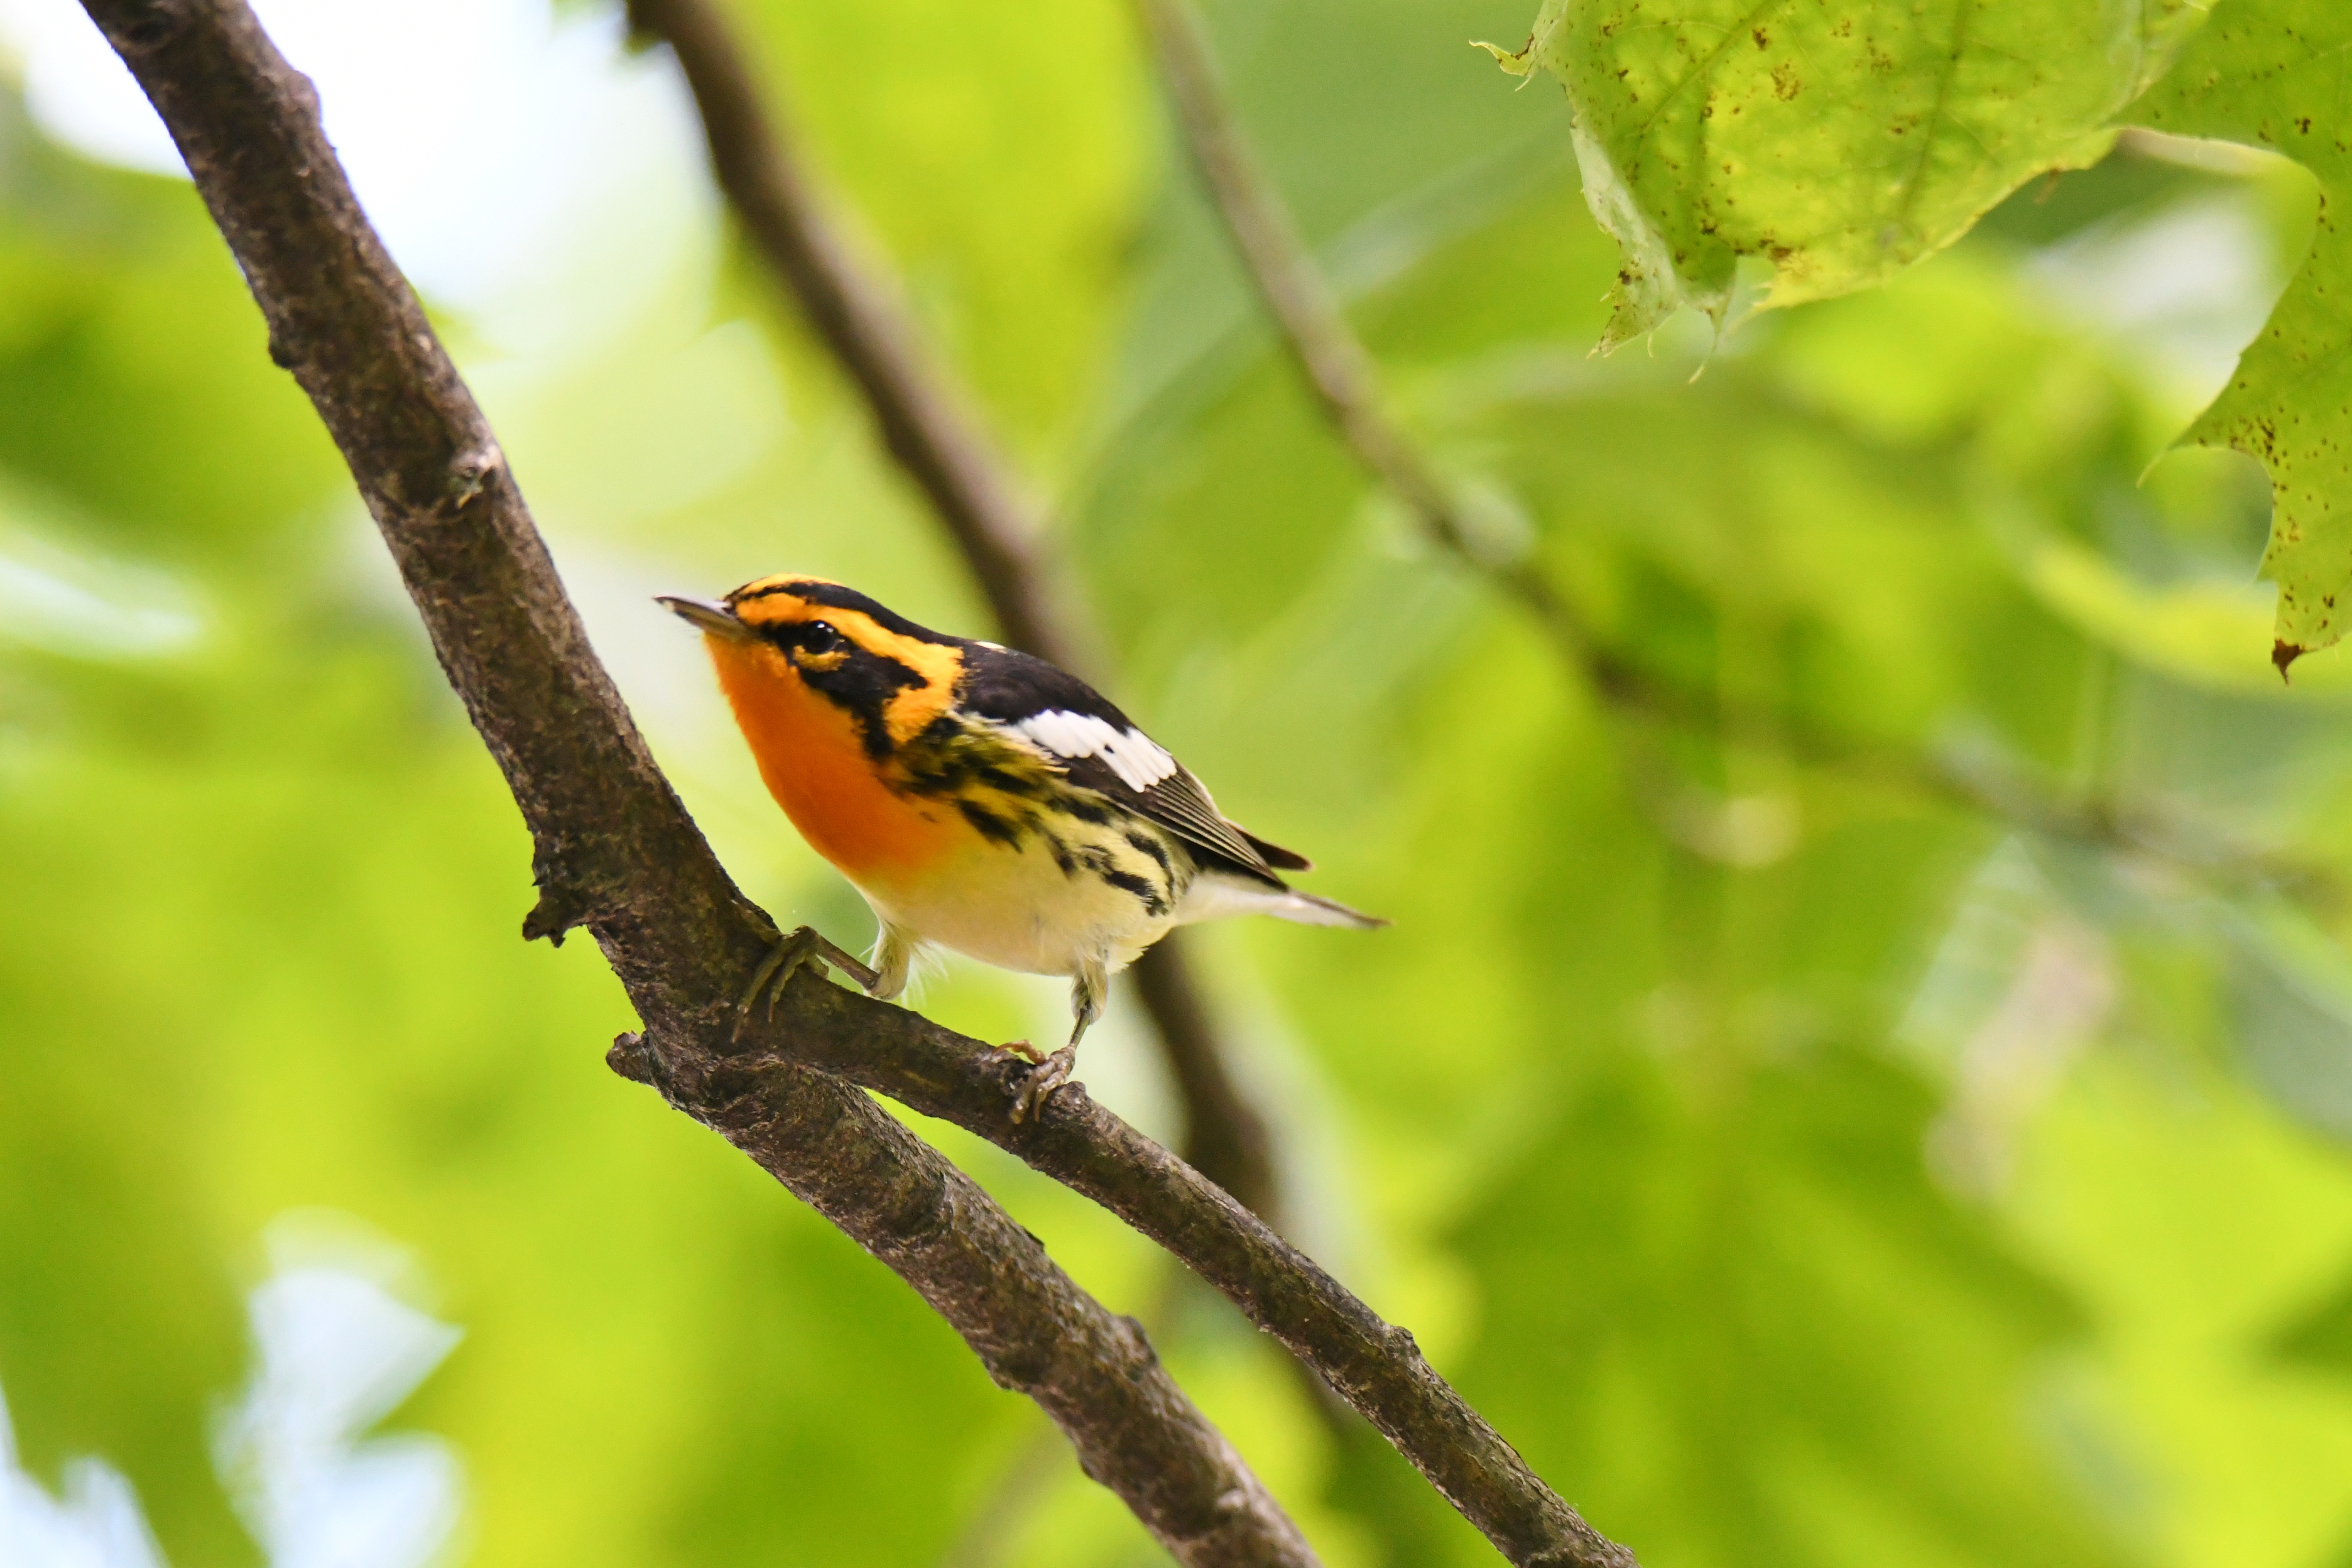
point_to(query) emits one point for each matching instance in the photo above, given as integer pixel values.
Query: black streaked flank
(1089, 811)
(996, 778)
(1145, 890)
(988, 824)
(951, 756)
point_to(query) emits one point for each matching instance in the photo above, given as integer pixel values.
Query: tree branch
(1344, 379)
(1372, 1365)
(614, 850)
(928, 426)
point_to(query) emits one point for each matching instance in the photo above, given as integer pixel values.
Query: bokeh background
(1800, 1168)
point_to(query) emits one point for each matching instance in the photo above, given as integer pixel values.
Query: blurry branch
(1341, 374)
(930, 425)
(1297, 295)
(613, 849)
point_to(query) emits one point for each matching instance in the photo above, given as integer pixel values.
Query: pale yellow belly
(1017, 909)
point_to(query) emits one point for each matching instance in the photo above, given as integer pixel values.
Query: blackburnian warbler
(978, 798)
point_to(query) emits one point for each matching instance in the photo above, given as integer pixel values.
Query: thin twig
(1315, 333)
(928, 425)
(1313, 330)
(614, 850)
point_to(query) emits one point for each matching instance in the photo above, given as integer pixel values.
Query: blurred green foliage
(1800, 1171)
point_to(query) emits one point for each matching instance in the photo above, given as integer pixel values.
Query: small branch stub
(560, 908)
(632, 1058)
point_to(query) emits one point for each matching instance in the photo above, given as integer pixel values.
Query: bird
(980, 799)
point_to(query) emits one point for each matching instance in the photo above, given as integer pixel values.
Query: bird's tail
(1307, 910)
(1213, 897)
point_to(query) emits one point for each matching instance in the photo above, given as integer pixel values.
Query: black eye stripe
(811, 637)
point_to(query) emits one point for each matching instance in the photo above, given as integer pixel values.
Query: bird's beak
(712, 615)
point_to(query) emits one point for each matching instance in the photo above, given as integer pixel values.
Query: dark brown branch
(1372, 1365)
(931, 430)
(614, 850)
(1315, 331)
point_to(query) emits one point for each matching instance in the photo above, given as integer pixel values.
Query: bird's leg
(1087, 993)
(787, 956)
(894, 957)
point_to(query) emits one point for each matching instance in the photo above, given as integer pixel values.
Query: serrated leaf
(1841, 141)
(2278, 74)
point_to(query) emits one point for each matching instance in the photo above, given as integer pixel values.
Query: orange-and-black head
(800, 655)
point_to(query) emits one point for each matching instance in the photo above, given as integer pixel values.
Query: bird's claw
(801, 949)
(1041, 1081)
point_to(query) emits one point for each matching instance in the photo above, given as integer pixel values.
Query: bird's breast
(811, 755)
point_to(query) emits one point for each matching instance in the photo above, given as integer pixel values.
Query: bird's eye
(819, 636)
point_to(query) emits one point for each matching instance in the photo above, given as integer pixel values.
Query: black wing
(1011, 687)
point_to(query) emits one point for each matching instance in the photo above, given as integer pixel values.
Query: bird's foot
(804, 948)
(1048, 1075)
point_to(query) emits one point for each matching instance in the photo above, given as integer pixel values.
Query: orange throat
(813, 761)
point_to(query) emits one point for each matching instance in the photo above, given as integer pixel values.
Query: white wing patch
(1140, 760)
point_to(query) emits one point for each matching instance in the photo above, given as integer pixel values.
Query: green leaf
(2273, 73)
(2198, 632)
(1842, 141)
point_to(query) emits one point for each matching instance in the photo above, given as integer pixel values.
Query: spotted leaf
(2278, 74)
(1842, 140)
